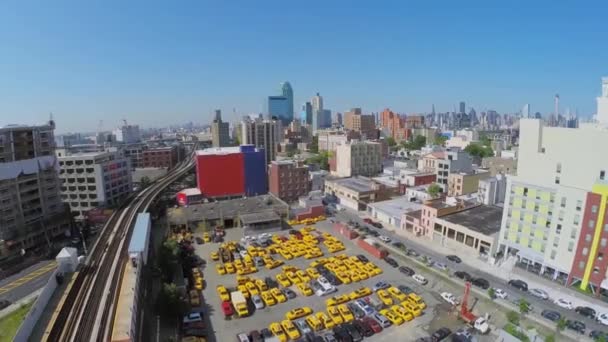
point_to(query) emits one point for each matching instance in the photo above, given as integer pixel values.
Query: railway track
(88, 310)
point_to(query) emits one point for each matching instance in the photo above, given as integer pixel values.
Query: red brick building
(288, 180)
(394, 125)
(160, 157)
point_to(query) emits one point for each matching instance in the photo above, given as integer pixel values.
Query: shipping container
(371, 247)
(345, 231)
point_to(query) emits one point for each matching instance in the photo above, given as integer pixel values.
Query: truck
(478, 323)
(372, 248)
(240, 303)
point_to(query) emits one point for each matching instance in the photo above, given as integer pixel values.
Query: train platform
(122, 328)
(48, 317)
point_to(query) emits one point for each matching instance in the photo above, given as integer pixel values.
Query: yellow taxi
(253, 290)
(362, 292)
(195, 298)
(298, 312)
(261, 285)
(402, 312)
(384, 297)
(229, 268)
(314, 323)
(397, 294)
(336, 300)
(221, 270)
(416, 300)
(412, 308)
(243, 290)
(334, 313)
(290, 329)
(393, 317)
(276, 330)
(303, 276)
(198, 283)
(344, 278)
(327, 322)
(278, 295)
(283, 280)
(206, 237)
(362, 274)
(215, 256)
(223, 293)
(312, 273)
(268, 298)
(345, 313)
(293, 277)
(305, 289)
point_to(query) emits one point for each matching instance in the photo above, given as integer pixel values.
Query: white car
(384, 238)
(542, 294)
(566, 304)
(420, 279)
(257, 301)
(603, 318)
(448, 297)
(192, 317)
(499, 293)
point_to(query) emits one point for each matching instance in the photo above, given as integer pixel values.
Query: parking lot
(438, 313)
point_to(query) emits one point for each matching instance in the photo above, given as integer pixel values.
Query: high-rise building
(265, 134)
(555, 216)
(231, 171)
(287, 91)
(358, 158)
(321, 119)
(220, 131)
(31, 212)
(602, 103)
(462, 108)
(128, 134)
(288, 180)
(91, 180)
(278, 106)
(336, 119)
(306, 114)
(364, 124)
(394, 125)
(317, 103)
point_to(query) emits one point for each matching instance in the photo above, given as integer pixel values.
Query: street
(27, 281)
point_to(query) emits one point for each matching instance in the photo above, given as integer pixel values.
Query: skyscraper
(287, 91)
(306, 113)
(602, 103)
(278, 106)
(264, 134)
(317, 103)
(220, 130)
(462, 107)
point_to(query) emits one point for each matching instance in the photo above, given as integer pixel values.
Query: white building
(266, 134)
(602, 103)
(356, 158)
(317, 180)
(491, 191)
(328, 139)
(94, 179)
(390, 212)
(459, 141)
(445, 162)
(128, 134)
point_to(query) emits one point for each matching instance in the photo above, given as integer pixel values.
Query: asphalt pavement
(514, 295)
(27, 281)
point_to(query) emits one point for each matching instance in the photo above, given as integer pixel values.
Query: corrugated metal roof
(140, 233)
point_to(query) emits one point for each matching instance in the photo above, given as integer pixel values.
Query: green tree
(167, 259)
(170, 302)
(440, 140)
(550, 338)
(491, 292)
(524, 306)
(417, 143)
(485, 141)
(390, 141)
(322, 159)
(513, 317)
(434, 190)
(314, 145)
(561, 324)
(479, 151)
(144, 182)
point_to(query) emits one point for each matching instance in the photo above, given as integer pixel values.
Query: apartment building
(220, 135)
(491, 190)
(462, 183)
(265, 134)
(356, 158)
(288, 180)
(91, 180)
(443, 163)
(31, 212)
(394, 125)
(328, 139)
(354, 120)
(165, 157)
(554, 220)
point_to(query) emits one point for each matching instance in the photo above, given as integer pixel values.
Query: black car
(406, 270)
(596, 335)
(398, 244)
(462, 275)
(412, 253)
(586, 311)
(441, 334)
(519, 284)
(341, 334)
(454, 258)
(405, 289)
(374, 233)
(364, 328)
(377, 225)
(356, 310)
(391, 261)
(353, 332)
(362, 258)
(271, 282)
(199, 240)
(266, 333)
(577, 326)
(289, 293)
(255, 336)
(4, 304)
(480, 282)
(551, 315)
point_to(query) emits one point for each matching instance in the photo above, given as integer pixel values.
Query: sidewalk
(16, 305)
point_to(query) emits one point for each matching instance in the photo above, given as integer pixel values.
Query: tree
(485, 141)
(440, 139)
(168, 258)
(550, 338)
(322, 159)
(479, 151)
(390, 141)
(513, 317)
(524, 306)
(434, 190)
(491, 293)
(144, 182)
(561, 324)
(417, 143)
(314, 145)
(169, 301)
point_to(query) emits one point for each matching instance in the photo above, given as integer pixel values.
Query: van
(314, 323)
(383, 321)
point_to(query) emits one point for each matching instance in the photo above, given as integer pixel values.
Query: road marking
(29, 277)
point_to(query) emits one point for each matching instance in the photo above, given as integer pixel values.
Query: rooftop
(191, 192)
(396, 207)
(484, 219)
(80, 155)
(358, 184)
(140, 233)
(219, 150)
(259, 217)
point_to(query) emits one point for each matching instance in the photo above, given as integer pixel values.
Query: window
(596, 270)
(573, 233)
(581, 265)
(561, 216)
(603, 242)
(594, 209)
(577, 219)
(591, 224)
(585, 251)
(606, 228)
(588, 238)
(553, 253)
(558, 229)
(525, 191)
(558, 168)
(556, 180)
(579, 204)
(600, 256)
(570, 246)
(563, 204)
(556, 241)
(602, 174)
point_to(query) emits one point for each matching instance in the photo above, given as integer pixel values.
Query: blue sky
(157, 63)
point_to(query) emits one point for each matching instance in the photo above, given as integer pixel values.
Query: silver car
(257, 301)
(303, 326)
(542, 294)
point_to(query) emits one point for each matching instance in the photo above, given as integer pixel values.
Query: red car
(367, 220)
(372, 323)
(227, 309)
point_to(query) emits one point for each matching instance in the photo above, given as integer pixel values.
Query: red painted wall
(220, 175)
(422, 180)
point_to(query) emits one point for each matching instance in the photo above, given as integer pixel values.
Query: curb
(17, 305)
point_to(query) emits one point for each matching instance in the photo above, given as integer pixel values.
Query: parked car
(391, 261)
(564, 303)
(596, 335)
(406, 270)
(481, 282)
(462, 275)
(412, 253)
(551, 315)
(441, 334)
(577, 326)
(257, 301)
(363, 328)
(500, 293)
(368, 220)
(303, 326)
(4, 303)
(603, 318)
(384, 238)
(454, 258)
(381, 285)
(519, 284)
(289, 293)
(420, 279)
(341, 334)
(271, 282)
(440, 266)
(353, 332)
(374, 233)
(266, 333)
(405, 289)
(242, 337)
(362, 258)
(199, 240)
(255, 336)
(450, 298)
(586, 311)
(539, 293)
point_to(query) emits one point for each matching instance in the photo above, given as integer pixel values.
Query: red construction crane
(465, 313)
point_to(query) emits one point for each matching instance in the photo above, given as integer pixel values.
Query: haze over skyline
(159, 64)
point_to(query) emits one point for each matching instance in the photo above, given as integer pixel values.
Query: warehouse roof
(265, 216)
(396, 207)
(484, 219)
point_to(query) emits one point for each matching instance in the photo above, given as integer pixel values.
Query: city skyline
(179, 64)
